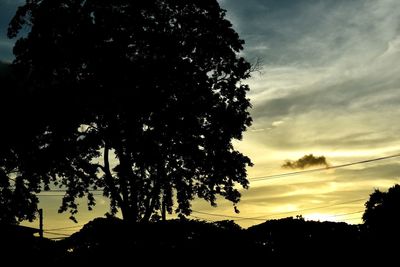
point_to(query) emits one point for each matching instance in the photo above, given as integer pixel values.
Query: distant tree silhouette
(17, 202)
(113, 239)
(157, 84)
(382, 212)
(290, 239)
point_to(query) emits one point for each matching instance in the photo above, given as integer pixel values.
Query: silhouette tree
(382, 212)
(141, 98)
(17, 202)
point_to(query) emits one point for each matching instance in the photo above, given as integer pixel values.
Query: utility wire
(50, 195)
(64, 190)
(283, 175)
(335, 215)
(53, 233)
(218, 215)
(69, 230)
(276, 176)
(200, 218)
(263, 217)
(63, 228)
(344, 214)
(59, 195)
(353, 218)
(313, 208)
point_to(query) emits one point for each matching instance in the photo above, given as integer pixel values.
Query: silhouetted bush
(382, 221)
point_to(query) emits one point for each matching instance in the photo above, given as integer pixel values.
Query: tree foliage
(139, 98)
(17, 196)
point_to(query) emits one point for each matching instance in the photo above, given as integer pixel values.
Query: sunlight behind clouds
(331, 67)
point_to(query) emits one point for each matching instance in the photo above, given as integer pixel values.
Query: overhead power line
(268, 216)
(353, 218)
(64, 190)
(307, 209)
(283, 175)
(63, 228)
(200, 218)
(53, 233)
(270, 177)
(348, 213)
(60, 195)
(221, 215)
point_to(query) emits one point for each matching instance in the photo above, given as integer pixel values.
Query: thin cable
(63, 228)
(313, 208)
(53, 233)
(64, 190)
(283, 175)
(344, 214)
(353, 218)
(218, 215)
(50, 195)
(266, 217)
(59, 195)
(200, 218)
(335, 215)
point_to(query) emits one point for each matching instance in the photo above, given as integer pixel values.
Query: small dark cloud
(305, 162)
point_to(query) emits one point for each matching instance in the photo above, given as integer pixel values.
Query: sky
(329, 85)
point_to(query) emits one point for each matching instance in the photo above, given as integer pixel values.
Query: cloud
(332, 68)
(328, 55)
(255, 130)
(306, 162)
(277, 123)
(342, 98)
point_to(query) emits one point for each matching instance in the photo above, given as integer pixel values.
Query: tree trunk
(163, 210)
(129, 188)
(153, 198)
(128, 214)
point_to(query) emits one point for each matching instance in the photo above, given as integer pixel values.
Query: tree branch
(256, 66)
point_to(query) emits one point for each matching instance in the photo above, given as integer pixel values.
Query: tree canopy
(18, 200)
(139, 98)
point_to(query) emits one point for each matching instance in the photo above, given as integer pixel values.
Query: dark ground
(186, 242)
